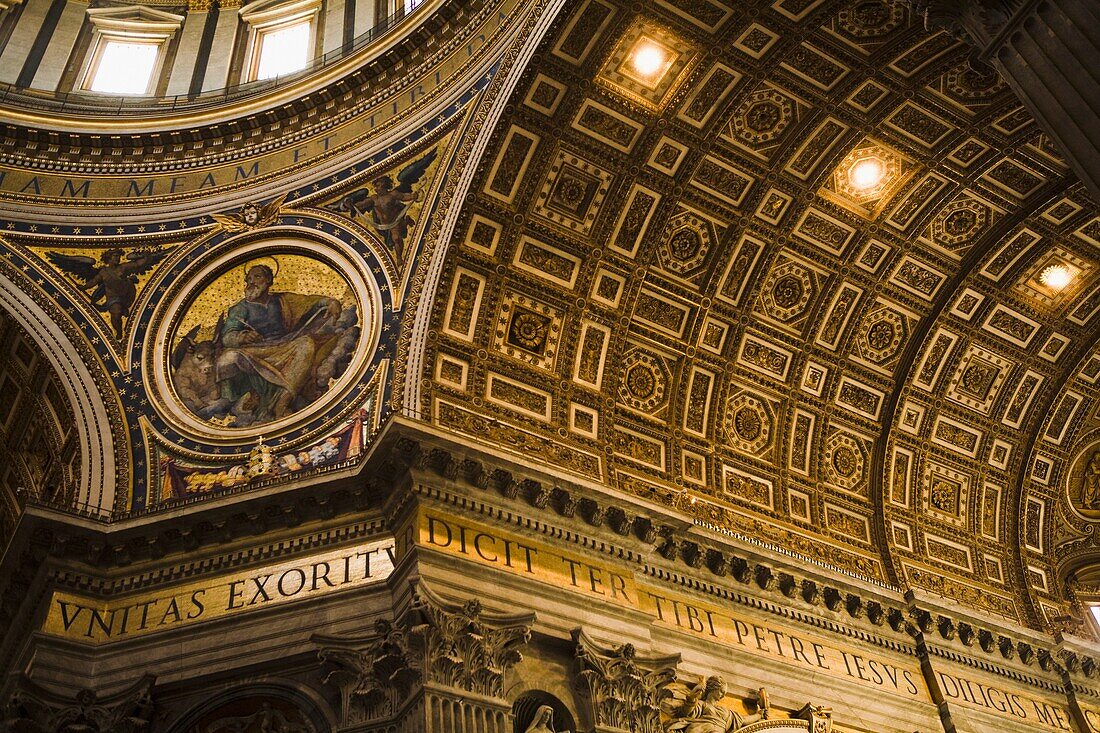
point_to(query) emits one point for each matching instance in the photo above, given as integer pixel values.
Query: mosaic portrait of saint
(264, 340)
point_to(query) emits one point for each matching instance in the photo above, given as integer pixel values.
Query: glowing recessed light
(649, 59)
(1055, 277)
(866, 174)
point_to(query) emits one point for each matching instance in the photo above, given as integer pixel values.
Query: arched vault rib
(416, 329)
(98, 491)
(903, 376)
(1040, 416)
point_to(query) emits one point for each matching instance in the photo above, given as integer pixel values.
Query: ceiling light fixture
(1055, 277)
(866, 174)
(649, 59)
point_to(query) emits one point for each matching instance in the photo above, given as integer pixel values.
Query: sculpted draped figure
(1090, 485)
(543, 722)
(698, 710)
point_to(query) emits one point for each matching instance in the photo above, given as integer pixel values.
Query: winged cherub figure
(250, 216)
(389, 206)
(112, 281)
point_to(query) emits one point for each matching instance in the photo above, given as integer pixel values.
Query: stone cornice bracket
(34, 709)
(979, 22)
(375, 672)
(465, 647)
(624, 688)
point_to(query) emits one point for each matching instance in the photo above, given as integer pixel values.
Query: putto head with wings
(388, 206)
(250, 216)
(112, 280)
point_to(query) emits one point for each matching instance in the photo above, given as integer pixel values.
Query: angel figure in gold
(250, 216)
(112, 280)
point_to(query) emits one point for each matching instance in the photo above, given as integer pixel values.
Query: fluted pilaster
(1048, 51)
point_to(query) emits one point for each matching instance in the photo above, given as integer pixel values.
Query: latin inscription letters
(109, 621)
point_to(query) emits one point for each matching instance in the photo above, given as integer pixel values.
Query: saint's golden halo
(274, 265)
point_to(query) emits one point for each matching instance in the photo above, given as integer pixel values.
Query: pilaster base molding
(441, 668)
(623, 687)
(32, 708)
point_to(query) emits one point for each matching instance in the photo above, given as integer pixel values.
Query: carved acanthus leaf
(466, 647)
(33, 709)
(624, 688)
(978, 22)
(819, 717)
(374, 672)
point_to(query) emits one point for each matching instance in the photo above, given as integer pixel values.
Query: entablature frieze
(604, 551)
(679, 555)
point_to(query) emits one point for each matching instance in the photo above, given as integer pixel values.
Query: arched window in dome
(127, 50)
(282, 36)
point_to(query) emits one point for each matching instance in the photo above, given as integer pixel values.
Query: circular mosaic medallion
(264, 337)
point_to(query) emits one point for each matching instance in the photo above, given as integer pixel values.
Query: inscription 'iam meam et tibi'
(188, 180)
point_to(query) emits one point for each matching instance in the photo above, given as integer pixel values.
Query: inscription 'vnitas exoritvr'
(95, 622)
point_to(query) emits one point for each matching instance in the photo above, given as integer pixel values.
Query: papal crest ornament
(265, 334)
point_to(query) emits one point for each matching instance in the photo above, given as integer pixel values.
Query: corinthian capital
(465, 646)
(35, 709)
(623, 687)
(374, 672)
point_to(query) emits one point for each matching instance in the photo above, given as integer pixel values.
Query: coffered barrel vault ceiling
(799, 282)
